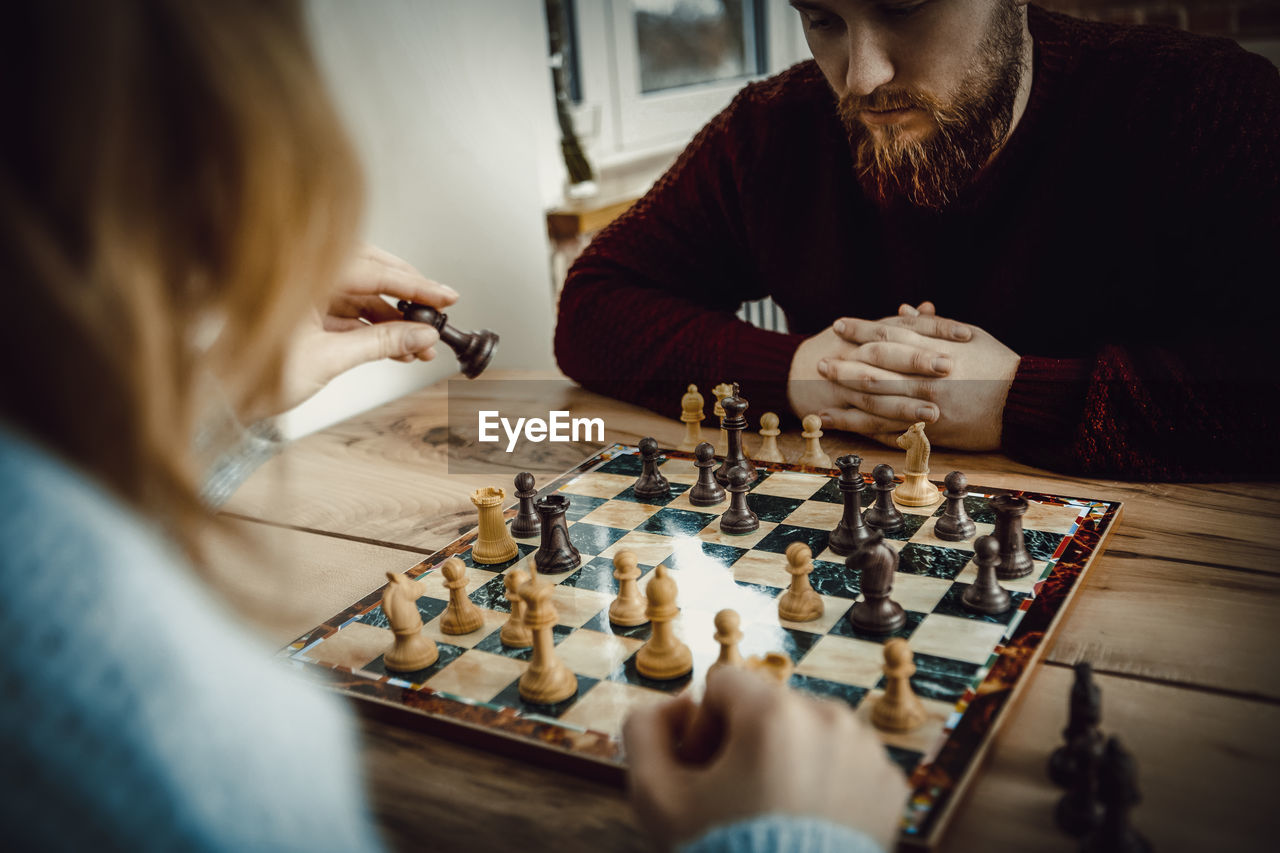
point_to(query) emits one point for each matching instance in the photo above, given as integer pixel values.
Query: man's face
(926, 88)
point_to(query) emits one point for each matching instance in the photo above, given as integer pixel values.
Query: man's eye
(812, 23)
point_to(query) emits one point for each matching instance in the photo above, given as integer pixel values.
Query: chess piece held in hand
(412, 649)
(474, 349)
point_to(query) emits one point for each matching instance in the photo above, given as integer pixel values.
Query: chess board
(969, 666)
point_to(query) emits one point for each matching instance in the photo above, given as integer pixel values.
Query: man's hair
(176, 192)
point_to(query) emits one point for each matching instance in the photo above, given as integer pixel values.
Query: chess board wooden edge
(586, 753)
(964, 785)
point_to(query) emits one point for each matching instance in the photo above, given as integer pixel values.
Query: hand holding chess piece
(821, 761)
(474, 349)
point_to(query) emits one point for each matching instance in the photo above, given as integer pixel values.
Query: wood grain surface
(1178, 617)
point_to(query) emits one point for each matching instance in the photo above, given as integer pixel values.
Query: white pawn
(814, 456)
(548, 679)
(515, 633)
(461, 616)
(728, 636)
(691, 414)
(769, 433)
(800, 603)
(664, 657)
(899, 709)
(724, 389)
(627, 609)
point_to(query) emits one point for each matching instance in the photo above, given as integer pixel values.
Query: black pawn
(556, 553)
(1118, 790)
(738, 518)
(705, 492)
(877, 613)
(852, 531)
(1079, 811)
(955, 525)
(985, 595)
(884, 515)
(526, 523)
(1084, 714)
(651, 483)
(733, 423)
(474, 349)
(1015, 562)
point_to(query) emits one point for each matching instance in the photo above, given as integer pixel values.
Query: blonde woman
(178, 205)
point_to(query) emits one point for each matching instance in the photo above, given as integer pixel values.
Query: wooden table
(1179, 618)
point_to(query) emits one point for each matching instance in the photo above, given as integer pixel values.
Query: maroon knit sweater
(1122, 242)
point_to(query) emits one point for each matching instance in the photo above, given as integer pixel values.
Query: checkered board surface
(967, 665)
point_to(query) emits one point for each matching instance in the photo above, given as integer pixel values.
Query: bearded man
(1095, 206)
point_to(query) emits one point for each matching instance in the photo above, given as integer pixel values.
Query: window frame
(625, 124)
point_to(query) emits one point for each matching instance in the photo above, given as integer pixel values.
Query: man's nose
(869, 63)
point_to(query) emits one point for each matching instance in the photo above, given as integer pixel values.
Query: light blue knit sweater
(135, 714)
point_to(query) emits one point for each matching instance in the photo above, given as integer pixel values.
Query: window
(646, 74)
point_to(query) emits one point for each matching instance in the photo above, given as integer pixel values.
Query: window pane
(683, 42)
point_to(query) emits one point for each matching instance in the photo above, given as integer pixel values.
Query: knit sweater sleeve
(650, 305)
(137, 714)
(774, 832)
(1188, 400)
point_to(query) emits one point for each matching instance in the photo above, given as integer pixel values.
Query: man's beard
(930, 171)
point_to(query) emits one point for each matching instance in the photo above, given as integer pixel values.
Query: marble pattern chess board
(969, 666)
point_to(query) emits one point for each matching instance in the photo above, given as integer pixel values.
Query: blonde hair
(168, 166)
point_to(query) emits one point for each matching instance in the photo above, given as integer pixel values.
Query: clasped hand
(878, 377)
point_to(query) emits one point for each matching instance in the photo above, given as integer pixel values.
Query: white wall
(449, 103)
